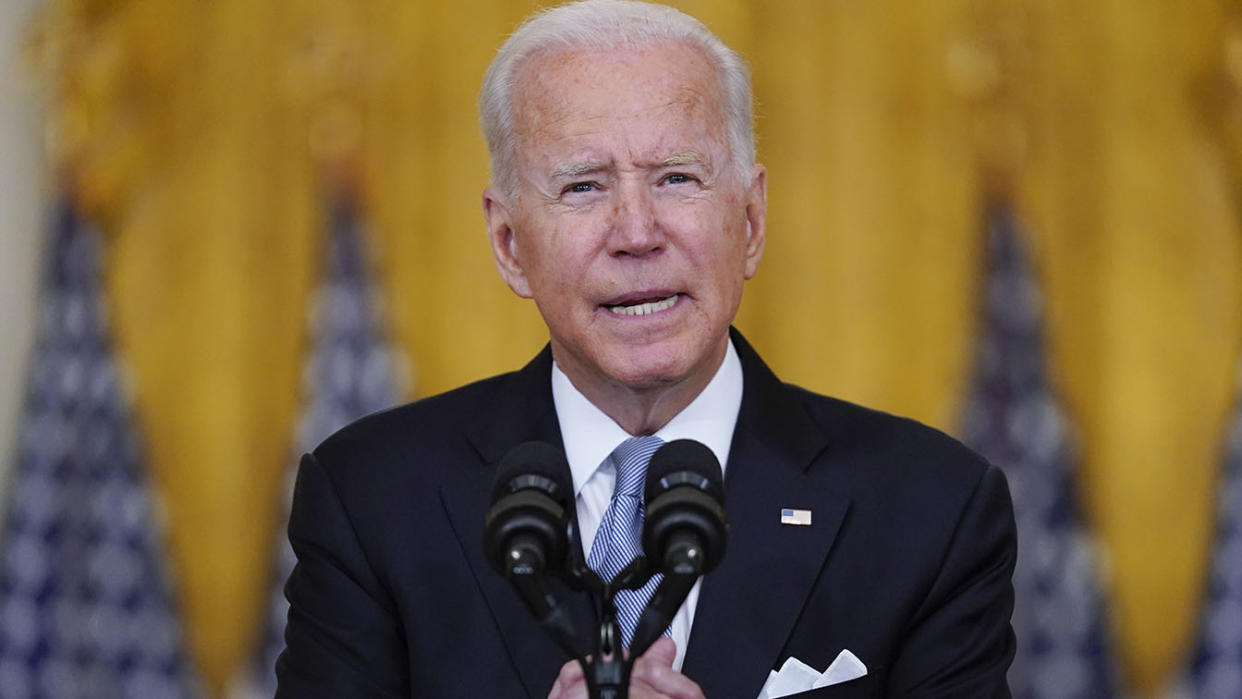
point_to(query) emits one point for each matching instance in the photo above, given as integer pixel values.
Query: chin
(650, 369)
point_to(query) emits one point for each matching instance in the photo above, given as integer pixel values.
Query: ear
(504, 243)
(756, 218)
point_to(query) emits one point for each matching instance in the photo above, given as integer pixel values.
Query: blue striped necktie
(619, 538)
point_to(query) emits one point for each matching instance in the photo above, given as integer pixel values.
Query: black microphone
(526, 532)
(684, 530)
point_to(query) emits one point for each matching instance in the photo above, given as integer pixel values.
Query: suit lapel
(523, 412)
(748, 606)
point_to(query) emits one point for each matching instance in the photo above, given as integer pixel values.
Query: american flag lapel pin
(800, 518)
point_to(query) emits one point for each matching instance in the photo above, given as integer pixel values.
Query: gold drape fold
(210, 283)
(198, 134)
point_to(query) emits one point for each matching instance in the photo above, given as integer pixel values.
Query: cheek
(557, 265)
(721, 246)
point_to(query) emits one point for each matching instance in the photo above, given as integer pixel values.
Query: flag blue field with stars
(351, 370)
(1216, 672)
(85, 605)
(1013, 419)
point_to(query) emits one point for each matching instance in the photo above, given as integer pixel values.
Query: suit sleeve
(960, 641)
(343, 638)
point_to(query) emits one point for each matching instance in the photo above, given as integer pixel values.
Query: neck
(642, 410)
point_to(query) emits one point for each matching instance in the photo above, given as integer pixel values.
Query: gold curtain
(201, 133)
(1136, 198)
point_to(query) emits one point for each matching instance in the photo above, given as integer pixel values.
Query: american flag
(796, 517)
(1216, 672)
(1012, 418)
(351, 370)
(85, 604)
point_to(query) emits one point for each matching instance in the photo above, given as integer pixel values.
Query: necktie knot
(630, 459)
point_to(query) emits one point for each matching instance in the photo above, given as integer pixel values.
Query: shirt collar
(590, 435)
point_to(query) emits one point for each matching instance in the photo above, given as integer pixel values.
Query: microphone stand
(607, 672)
(607, 669)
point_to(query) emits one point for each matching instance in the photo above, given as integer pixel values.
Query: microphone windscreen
(676, 460)
(538, 459)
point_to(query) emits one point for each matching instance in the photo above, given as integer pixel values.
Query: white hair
(608, 24)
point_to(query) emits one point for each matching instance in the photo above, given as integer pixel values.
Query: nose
(634, 230)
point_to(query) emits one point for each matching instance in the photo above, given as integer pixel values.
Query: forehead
(655, 93)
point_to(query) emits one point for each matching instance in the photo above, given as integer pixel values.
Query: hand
(653, 677)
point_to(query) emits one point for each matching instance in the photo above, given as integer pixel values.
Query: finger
(663, 651)
(570, 674)
(660, 681)
(576, 690)
(653, 672)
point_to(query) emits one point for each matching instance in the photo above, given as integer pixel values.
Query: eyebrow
(685, 157)
(572, 170)
(577, 170)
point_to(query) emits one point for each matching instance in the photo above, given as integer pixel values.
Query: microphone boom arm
(683, 565)
(527, 574)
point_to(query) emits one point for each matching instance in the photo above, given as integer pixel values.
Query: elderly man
(626, 202)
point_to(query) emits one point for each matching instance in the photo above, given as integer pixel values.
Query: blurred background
(229, 227)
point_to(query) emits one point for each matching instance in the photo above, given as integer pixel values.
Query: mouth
(643, 306)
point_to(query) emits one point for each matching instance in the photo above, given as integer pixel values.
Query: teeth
(643, 309)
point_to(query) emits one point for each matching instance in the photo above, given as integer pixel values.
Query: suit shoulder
(427, 424)
(891, 446)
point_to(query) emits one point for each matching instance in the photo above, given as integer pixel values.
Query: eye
(677, 178)
(579, 188)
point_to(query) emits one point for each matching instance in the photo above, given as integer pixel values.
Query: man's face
(633, 230)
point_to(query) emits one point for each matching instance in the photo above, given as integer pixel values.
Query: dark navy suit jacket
(907, 563)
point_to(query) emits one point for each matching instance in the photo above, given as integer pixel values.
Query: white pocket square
(796, 676)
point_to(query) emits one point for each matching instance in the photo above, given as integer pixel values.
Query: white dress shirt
(590, 436)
